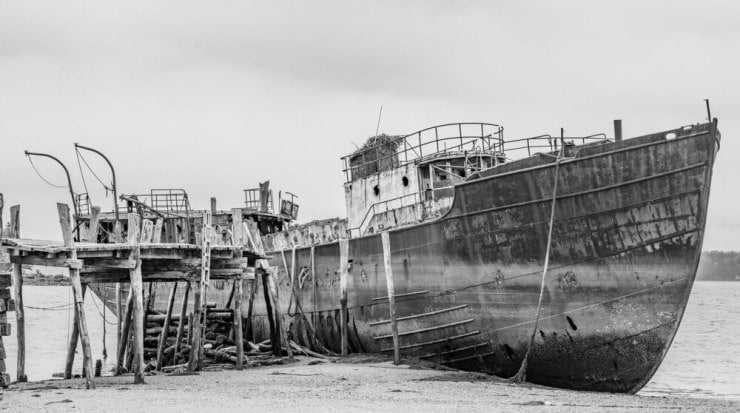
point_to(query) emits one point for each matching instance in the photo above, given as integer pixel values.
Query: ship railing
(526, 147)
(423, 144)
(384, 206)
(168, 201)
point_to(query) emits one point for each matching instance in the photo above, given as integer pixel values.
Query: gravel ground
(312, 385)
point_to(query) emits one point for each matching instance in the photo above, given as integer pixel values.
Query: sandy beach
(318, 385)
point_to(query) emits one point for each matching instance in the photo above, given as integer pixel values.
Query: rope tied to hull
(521, 374)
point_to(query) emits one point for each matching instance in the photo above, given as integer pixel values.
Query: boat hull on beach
(626, 240)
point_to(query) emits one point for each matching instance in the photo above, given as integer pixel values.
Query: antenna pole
(709, 112)
(113, 174)
(69, 180)
(377, 128)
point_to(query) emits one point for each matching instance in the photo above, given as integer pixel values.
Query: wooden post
(343, 261)
(92, 230)
(278, 318)
(157, 236)
(200, 290)
(15, 232)
(74, 278)
(181, 326)
(20, 322)
(166, 326)
(195, 329)
(125, 332)
(137, 286)
(391, 295)
(238, 333)
(72, 345)
(274, 335)
(252, 293)
(119, 324)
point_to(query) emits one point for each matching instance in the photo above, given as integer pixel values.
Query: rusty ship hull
(628, 229)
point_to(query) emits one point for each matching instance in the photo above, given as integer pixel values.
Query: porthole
(376, 190)
(405, 181)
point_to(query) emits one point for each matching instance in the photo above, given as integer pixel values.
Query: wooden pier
(140, 259)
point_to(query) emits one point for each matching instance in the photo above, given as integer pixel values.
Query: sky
(214, 97)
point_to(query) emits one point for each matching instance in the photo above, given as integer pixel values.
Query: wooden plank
(385, 239)
(137, 287)
(157, 234)
(181, 326)
(20, 323)
(147, 231)
(92, 230)
(74, 278)
(343, 270)
(165, 326)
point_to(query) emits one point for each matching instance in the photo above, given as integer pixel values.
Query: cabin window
(405, 181)
(376, 190)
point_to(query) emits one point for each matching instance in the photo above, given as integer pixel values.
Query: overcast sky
(214, 97)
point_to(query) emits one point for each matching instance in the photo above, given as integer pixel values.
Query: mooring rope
(521, 374)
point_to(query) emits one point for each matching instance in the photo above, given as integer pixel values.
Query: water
(47, 332)
(702, 361)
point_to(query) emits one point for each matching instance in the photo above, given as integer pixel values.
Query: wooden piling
(280, 326)
(200, 290)
(20, 322)
(74, 278)
(119, 323)
(238, 333)
(72, 345)
(343, 270)
(137, 287)
(181, 325)
(165, 326)
(385, 239)
(15, 232)
(124, 334)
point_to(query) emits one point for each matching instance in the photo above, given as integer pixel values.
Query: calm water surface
(702, 362)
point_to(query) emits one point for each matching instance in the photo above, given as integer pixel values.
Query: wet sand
(317, 385)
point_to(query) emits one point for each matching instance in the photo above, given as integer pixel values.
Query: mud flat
(312, 385)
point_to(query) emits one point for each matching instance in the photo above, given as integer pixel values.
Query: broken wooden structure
(140, 259)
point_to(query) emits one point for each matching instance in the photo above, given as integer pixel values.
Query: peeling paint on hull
(626, 244)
